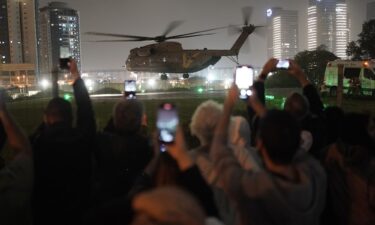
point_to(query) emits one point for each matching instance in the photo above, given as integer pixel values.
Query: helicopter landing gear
(185, 76)
(163, 76)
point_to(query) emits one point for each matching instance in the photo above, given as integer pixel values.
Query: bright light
(151, 82)
(269, 12)
(44, 83)
(67, 97)
(89, 83)
(227, 83)
(210, 77)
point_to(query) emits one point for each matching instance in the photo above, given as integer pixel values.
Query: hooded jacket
(266, 198)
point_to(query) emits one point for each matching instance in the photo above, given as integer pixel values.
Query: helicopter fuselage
(170, 57)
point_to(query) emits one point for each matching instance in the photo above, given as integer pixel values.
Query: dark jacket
(62, 156)
(313, 122)
(119, 159)
(190, 180)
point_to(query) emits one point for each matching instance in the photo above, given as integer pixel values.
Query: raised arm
(85, 112)
(17, 140)
(224, 161)
(220, 140)
(309, 91)
(259, 88)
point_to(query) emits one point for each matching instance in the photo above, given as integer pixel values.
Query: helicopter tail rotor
(246, 14)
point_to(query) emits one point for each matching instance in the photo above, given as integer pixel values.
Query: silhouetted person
(16, 178)
(350, 165)
(62, 155)
(291, 187)
(122, 152)
(306, 108)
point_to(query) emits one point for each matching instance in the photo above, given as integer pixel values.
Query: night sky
(151, 17)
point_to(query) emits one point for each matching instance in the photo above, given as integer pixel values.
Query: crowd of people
(304, 164)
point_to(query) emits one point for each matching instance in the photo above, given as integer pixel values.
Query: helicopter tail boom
(246, 31)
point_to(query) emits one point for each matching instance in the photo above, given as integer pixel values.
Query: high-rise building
(59, 36)
(282, 33)
(4, 33)
(371, 11)
(18, 48)
(18, 31)
(328, 24)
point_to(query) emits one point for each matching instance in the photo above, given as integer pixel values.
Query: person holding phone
(16, 178)
(172, 164)
(62, 157)
(292, 183)
(306, 108)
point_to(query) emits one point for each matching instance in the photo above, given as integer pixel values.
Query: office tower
(371, 11)
(328, 24)
(282, 33)
(18, 48)
(18, 32)
(59, 36)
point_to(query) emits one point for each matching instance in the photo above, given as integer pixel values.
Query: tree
(364, 47)
(352, 49)
(314, 63)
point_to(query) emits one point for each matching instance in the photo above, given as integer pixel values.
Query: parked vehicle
(359, 77)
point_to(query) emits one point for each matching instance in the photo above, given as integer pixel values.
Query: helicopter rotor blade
(188, 36)
(173, 25)
(196, 32)
(261, 31)
(127, 40)
(246, 14)
(117, 35)
(234, 29)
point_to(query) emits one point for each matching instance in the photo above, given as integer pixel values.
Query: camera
(166, 123)
(283, 64)
(64, 63)
(130, 89)
(244, 77)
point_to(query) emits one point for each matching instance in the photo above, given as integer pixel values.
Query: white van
(358, 76)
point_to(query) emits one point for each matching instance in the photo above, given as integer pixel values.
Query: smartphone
(64, 63)
(244, 77)
(166, 123)
(283, 64)
(130, 88)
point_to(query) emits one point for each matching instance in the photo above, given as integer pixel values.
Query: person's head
(239, 132)
(204, 121)
(127, 116)
(167, 205)
(58, 110)
(297, 105)
(278, 136)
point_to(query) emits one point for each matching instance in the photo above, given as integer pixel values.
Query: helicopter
(169, 57)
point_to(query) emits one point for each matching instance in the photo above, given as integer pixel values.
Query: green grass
(29, 113)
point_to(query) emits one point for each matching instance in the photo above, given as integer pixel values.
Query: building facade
(18, 42)
(370, 11)
(328, 24)
(282, 38)
(59, 36)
